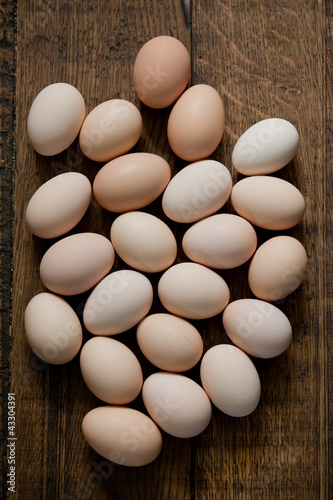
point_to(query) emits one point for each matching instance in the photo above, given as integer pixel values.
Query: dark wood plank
(266, 60)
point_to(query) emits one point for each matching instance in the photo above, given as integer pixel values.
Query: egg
(55, 118)
(58, 205)
(162, 69)
(76, 263)
(111, 370)
(169, 342)
(52, 328)
(196, 123)
(119, 302)
(257, 327)
(265, 147)
(143, 241)
(277, 268)
(177, 404)
(231, 380)
(268, 202)
(131, 181)
(196, 191)
(111, 129)
(122, 435)
(193, 291)
(221, 241)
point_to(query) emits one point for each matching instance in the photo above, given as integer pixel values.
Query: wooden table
(266, 59)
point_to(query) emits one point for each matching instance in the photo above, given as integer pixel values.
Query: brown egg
(196, 123)
(161, 71)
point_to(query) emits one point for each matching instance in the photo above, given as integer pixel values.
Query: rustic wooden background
(267, 59)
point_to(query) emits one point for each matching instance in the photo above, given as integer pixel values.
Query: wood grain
(265, 60)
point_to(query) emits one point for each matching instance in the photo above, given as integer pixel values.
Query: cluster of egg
(189, 290)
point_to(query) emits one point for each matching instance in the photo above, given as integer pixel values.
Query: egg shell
(221, 241)
(52, 328)
(193, 291)
(257, 327)
(58, 205)
(143, 241)
(162, 69)
(111, 129)
(196, 123)
(76, 263)
(231, 380)
(265, 147)
(268, 202)
(55, 118)
(177, 404)
(277, 268)
(119, 302)
(131, 181)
(122, 435)
(169, 342)
(111, 370)
(196, 191)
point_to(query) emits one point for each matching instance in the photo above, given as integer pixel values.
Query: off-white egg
(230, 379)
(119, 302)
(177, 404)
(52, 328)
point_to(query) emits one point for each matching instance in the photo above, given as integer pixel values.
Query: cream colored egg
(58, 205)
(169, 342)
(111, 129)
(111, 370)
(196, 191)
(196, 123)
(193, 291)
(143, 241)
(265, 147)
(52, 328)
(122, 435)
(161, 71)
(221, 241)
(277, 268)
(119, 302)
(55, 118)
(268, 202)
(177, 404)
(257, 327)
(231, 380)
(131, 181)
(76, 263)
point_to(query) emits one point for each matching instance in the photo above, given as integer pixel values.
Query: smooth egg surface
(58, 205)
(52, 328)
(111, 370)
(193, 291)
(55, 118)
(169, 342)
(265, 147)
(257, 327)
(122, 435)
(221, 241)
(231, 380)
(196, 191)
(111, 129)
(131, 181)
(76, 263)
(161, 71)
(268, 202)
(196, 123)
(119, 302)
(277, 268)
(143, 241)
(177, 404)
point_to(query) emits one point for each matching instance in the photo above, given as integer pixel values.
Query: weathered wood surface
(266, 60)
